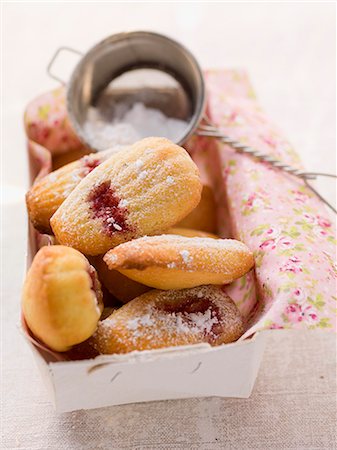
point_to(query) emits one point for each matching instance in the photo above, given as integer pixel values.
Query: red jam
(190, 305)
(104, 204)
(94, 279)
(95, 285)
(89, 164)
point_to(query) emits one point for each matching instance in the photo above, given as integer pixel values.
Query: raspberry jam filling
(89, 164)
(104, 204)
(95, 285)
(195, 308)
(94, 280)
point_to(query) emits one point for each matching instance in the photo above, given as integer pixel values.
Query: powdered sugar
(127, 125)
(52, 177)
(123, 203)
(186, 256)
(170, 180)
(181, 322)
(112, 222)
(143, 175)
(146, 320)
(139, 163)
(107, 324)
(133, 324)
(138, 322)
(104, 135)
(203, 322)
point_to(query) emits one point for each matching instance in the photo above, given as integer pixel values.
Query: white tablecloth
(289, 51)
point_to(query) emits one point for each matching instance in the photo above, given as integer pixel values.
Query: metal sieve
(180, 95)
(127, 53)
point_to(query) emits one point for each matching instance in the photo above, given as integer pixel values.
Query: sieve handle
(210, 130)
(55, 56)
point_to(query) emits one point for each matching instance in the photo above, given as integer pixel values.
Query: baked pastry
(142, 191)
(48, 193)
(62, 297)
(160, 319)
(177, 262)
(203, 217)
(121, 287)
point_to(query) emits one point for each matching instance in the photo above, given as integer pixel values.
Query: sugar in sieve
(159, 75)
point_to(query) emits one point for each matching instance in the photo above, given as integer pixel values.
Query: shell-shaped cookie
(135, 193)
(62, 297)
(122, 287)
(203, 216)
(177, 262)
(48, 193)
(160, 319)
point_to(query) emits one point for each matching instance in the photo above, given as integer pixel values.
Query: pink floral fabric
(276, 215)
(205, 154)
(47, 123)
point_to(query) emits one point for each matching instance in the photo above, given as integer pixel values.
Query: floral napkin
(275, 214)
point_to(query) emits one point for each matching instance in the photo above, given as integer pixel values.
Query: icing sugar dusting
(113, 257)
(170, 180)
(133, 324)
(186, 256)
(143, 175)
(203, 322)
(123, 203)
(139, 163)
(110, 123)
(52, 177)
(179, 322)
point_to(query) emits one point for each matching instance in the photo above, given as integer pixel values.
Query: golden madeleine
(204, 216)
(160, 319)
(49, 192)
(178, 262)
(62, 297)
(123, 288)
(142, 191)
